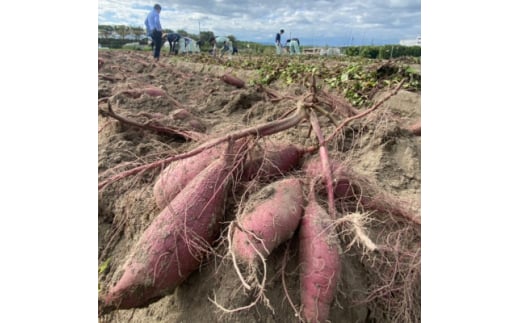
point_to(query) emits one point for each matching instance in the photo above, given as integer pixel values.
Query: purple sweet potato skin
(167, 251)
(347, 184)
(274, 160)
(320, 265)
(179, 173)
(273, 217)
(341, 183)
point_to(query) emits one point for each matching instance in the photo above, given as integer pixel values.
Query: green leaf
(104, 266)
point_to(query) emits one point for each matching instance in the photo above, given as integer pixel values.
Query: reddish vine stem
(362, 114)
(275, 96)
(325, 162)
(338, 104)
(185, 134)
(262, 130)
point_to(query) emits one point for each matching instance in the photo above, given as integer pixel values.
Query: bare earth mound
(380, 254)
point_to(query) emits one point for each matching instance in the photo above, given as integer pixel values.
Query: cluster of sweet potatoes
(192, 194)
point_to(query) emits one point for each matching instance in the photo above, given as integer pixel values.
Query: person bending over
(222, 44)
(293, 44)
(173, 40)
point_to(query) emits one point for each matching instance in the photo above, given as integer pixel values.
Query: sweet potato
(191, 120)
(274, 160)
(175, 242)
(154, 91)
(415, 128)
(182, 114)
(361, 190)
(232, 80)
(270, 218)
(319, 257)
(340, 176)
(179, 173)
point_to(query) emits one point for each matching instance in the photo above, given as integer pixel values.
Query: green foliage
(382, 52)
(138, 32)
(352, 51)
(206, 35)
(105, 30)
(232, 38)
(357, 78)
(122, 30)
(118, 43)
(182, 32)
(103, 267)
(369, 51)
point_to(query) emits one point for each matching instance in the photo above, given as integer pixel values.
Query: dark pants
(157, 43)
(172, 45)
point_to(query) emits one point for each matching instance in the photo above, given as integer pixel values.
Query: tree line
(107, 32)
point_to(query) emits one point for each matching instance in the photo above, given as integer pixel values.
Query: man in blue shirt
(278, 42)
(154, 30)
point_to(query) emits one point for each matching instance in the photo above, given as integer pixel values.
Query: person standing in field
(293, 45)
(154, 30)
(223, 44)
(278, 42)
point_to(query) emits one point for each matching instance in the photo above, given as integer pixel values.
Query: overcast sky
(319, 22)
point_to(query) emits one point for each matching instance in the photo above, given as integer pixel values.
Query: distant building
(411, 42)
(312, 51)
(330, 52)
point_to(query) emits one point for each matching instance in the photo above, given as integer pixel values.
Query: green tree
(182, 32)
(138, 32)
(105, 30)
(232, 38)
(205, 36)
(122, 30)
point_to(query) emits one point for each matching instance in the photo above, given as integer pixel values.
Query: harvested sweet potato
(232, 80)
(320, 266)
(174, 244)
(270, 218)
(274, 160)
(179, 173)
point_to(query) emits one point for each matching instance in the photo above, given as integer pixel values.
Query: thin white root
(296, 312)
(258, 297)
(246, 285)
(358, 220)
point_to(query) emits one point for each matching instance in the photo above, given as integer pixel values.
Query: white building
(330, 52)
(411, 42)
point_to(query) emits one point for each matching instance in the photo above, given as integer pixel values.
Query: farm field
(149, 112)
